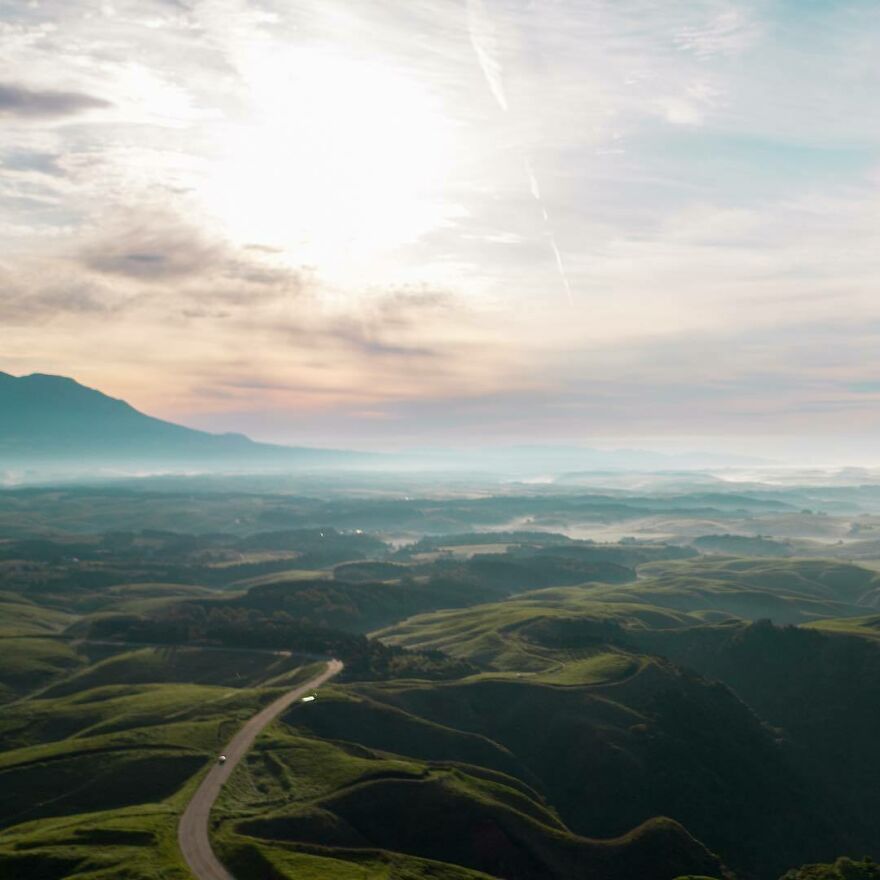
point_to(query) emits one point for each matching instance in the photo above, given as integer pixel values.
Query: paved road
(192, 833)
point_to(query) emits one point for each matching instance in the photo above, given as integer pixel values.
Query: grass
(606, 755)
(140, 598)
(27, 664)
(179, 664)
(670, 594)
(194, 716)
(598, 669)
(568, 739)
(92, 781)
(20, 617)
(868, 627)
(785, 590)
(131, 843)
(100, 743)
(285, 577)
(303, 803)
(372, 721)
(504, 636)
(254, 859)
(285, 765)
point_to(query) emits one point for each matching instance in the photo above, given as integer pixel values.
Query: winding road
(193, 831)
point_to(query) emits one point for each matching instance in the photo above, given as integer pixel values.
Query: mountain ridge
(49, 419)
(52, 425)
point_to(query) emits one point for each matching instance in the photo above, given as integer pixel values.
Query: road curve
(192, 833)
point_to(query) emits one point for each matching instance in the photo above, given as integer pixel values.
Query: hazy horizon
(759, 455)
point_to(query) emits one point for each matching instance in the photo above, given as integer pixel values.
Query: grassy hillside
(598, 641)
(92, 780)
(28, 664)
(100, 742)
(365, 603)
(511, 635)
(658, 743)
(533, 707)
(20, 616)
(784, 590)
(339, 800)
(529, 634)
(822, 690)
(868, 627)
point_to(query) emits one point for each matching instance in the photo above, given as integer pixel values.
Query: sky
(386, 224)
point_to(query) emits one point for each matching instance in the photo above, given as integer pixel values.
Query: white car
(222, 759)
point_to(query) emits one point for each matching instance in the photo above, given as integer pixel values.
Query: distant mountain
(52, 426)
(54, 423)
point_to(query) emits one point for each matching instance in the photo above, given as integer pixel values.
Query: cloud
(19, 100)
(147, 266)
(363, 338)
(153, 247)
(728, 29)
(404, 307)
(35, 297)
(32, 161)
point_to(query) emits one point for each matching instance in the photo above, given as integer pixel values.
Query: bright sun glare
(341, 160)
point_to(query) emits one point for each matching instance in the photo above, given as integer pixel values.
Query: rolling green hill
(340, 800)
(784, 590)
(512, 708)
(821, 689)
(93, 774)
(868, 627)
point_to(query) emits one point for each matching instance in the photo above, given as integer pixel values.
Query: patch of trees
(232, 626)
(366, 605)
(842, 869)
(742, 545)
(628, 553)
(534, 572)
(318, 546)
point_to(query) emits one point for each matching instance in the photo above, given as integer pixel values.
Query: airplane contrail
(551, 237)
(484, 39)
